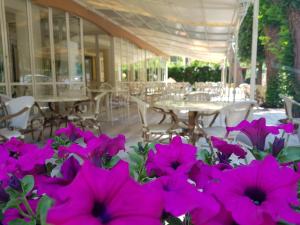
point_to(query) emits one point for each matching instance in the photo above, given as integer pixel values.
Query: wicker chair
(154, 132)
(16, 120)
(90, 116)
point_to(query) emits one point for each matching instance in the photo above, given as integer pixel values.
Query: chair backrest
(98, 100)
(4, 98)
(142, 109)
(288, 105)
(105, 86)
(237, 112)
(17, 104)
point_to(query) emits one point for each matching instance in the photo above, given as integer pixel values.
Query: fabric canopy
(201, 29)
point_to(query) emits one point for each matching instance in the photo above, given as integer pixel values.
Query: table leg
(193, 117)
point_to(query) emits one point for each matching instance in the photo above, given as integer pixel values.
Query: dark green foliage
(196, 72)
(245, 40)
(272, 94)
(271, 15)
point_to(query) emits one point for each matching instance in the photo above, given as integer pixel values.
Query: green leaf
(289, 154)
(174, 221)
(259, 154)
(13, 193)
(22, 222)
(112, 162)
(134, 158)
(43, 206)
(27, 184)
(205, 156)
(12, 203)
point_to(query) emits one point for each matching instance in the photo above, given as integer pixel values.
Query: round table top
(203, 107)
(61, 98)
(106, 90)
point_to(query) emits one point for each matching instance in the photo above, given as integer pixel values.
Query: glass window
(124, 53)
(41, 41)
(117, 58)
(60, 45)
(44, 90)
(90, 48)
(18, 41)
(2, 77)
(75, 49)
(73, 90)
(104, 56)
(21, 90)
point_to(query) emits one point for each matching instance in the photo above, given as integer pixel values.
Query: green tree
(292, 10)
(275, 48)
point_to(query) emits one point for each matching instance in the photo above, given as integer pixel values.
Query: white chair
(89, 118)
(105, 86)
(288, 105)
(4, 98)
(233, 114)
(18, 110)
(154, 132)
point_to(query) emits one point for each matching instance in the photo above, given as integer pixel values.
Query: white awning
(201, 29)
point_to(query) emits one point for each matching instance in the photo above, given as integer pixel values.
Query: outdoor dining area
(149, 112)
(156, 111)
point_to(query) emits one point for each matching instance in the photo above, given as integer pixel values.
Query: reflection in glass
(41, 41)
(18, 40)
(2, 79)
(3, 90)
(124, 53)
(90, 55)
(60, 45)
(74, 90)
(75, 49)
(21, 90)
(104, 41)
(43, 90)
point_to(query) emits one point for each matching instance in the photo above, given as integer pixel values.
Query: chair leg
(209, 144)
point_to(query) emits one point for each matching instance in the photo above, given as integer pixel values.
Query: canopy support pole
(235, 66)
(254, 49)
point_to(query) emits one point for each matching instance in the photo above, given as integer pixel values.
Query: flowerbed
(78, 178)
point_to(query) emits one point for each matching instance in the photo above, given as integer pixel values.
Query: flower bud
(15, 183)
(4, 197)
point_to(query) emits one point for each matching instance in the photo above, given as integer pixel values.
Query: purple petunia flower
(203, 175)
(19, 158)
(96, 148)
(262, 191)
(175, 157)
(181, 197)
(277, 146)
(73, 133)
(31, 157)
(228, 149)
(111, 197)
(56, 187)
(220, 217)
(257, 131)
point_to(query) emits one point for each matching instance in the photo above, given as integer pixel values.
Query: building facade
(48, 51)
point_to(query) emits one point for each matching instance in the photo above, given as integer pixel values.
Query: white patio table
(195, 110)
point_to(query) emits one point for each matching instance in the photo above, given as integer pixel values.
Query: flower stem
(28, 207)
(22, 213)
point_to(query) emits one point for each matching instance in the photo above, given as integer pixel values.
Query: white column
(235, 66)
(254, 49)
